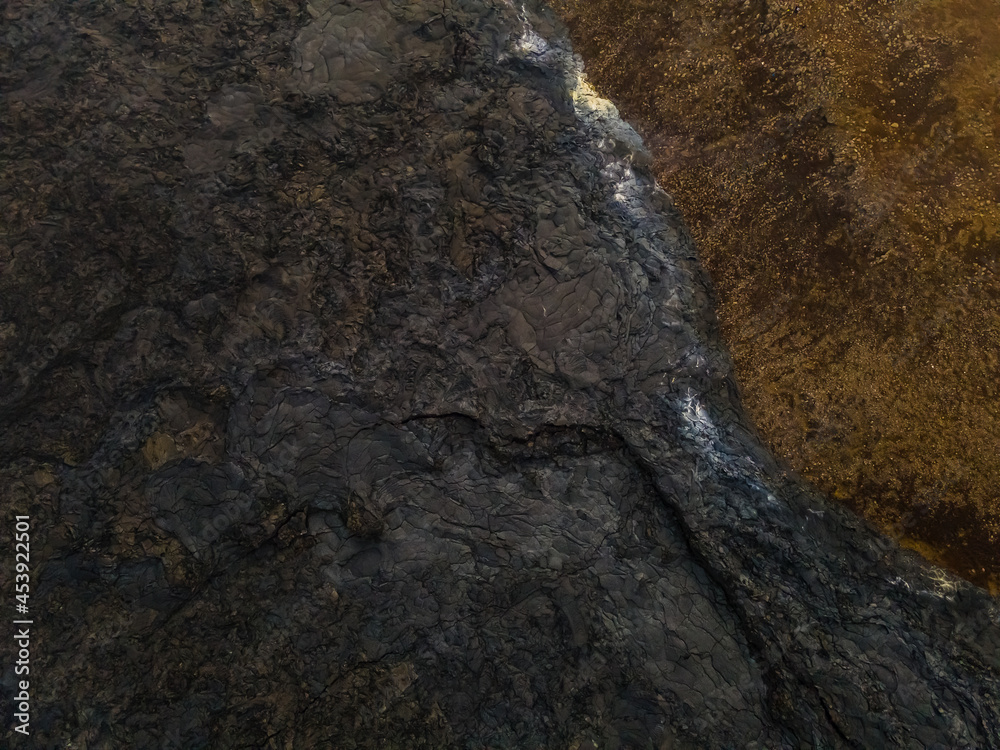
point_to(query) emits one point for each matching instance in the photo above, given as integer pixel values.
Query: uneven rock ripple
(364, 390)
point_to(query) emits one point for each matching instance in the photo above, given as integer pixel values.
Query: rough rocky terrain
(364, 390)
(836, 162)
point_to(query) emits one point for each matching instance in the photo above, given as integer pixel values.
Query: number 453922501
(23, 559)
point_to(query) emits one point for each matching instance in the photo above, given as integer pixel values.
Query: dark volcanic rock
(364, 390)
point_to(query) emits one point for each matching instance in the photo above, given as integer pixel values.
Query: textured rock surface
(365, 391)
(836, 162)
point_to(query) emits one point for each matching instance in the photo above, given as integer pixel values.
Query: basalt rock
(364, 390)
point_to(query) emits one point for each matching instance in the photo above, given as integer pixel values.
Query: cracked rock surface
(364, 390)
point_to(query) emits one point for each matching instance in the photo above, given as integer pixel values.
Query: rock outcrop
(364, 390)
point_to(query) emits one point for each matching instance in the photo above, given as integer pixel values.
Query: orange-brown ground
(838, 164)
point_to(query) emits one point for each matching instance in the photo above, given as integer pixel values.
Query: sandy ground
(837, 163)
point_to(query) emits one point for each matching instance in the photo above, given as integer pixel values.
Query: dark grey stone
(372, 396)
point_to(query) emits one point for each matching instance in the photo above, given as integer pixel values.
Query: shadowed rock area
(365, 391)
